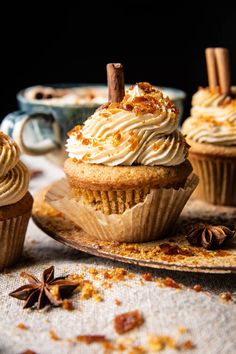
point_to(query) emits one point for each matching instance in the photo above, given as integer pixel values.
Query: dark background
(156, 42)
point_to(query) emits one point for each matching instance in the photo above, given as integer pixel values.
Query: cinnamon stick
(223, 66)
(115, 82)
(211, 67)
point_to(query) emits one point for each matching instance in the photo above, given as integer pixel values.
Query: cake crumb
(159, 343)
(89, 339)
(53, 335)
(147, 276)
(226, 296)
(137, 350)
(187, 345)
(68, 305)
(197, 288)
(22, 326)
(182, 330)
(117, 302)
(127, 321)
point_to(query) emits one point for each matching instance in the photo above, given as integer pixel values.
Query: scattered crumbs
(89, 291)
(169, 282)
(117, 302)
(89, 339)
(159, 343)
(53, 335)
(197, 288)
(225, 297)
(187, 345)
(106, 285)
(67, 305)
(125, 322)
(22, 326)
(137, 350)
(147, 276)
(182, 330)
(142, 282)
(131, 275)
(28, 351)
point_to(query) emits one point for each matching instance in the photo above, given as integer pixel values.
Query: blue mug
(41, 127)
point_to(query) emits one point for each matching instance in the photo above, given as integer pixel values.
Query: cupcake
(128, 169)
(211, 133)
(15, 202)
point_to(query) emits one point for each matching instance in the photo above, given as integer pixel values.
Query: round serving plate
(172, 253)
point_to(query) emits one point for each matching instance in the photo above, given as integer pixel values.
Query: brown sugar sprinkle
(182, 330)
(22, 326)
(75, 131)
(89, 339)
(197, 288)
(86, 156)
(53, 335)
(173, 250)
(127, 321)
(68, 305)
(159, 343)
(116, 139)
(137, 350)
(225, 297)
(147, 276)
(187, 345)
(86, 141)
(117, 302)
(169, 282)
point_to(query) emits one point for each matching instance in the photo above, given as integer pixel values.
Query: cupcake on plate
(211, 132)
(128, 167)
(15, 202)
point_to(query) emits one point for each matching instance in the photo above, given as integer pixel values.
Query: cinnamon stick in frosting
(115, 82)
(211, 67)
(223, 66)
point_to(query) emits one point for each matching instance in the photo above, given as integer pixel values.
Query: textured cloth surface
(211, 324)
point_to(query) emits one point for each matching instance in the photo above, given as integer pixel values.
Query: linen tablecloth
(210, 323)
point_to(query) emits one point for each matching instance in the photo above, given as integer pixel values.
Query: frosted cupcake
(130, 157)
(15, 202)
(211, 132)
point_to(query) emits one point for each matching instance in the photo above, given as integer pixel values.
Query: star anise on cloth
(48, 291)
(209, 236)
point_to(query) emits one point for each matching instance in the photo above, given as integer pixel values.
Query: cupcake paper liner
(12, 236)
(112, 202)
(151, 219)
(217, 179)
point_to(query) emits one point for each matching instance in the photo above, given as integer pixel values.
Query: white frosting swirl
(14, 185)
(213, 118)
(139, 130)
(9, 154)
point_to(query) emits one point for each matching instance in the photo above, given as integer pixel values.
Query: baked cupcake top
(140, 130)
(213, 118)
(14, 176)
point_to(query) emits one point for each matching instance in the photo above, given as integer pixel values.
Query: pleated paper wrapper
(152, 219)
(217, 179)
(12, 236)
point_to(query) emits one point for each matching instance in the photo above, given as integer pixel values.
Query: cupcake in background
(127, 169)
(211, 133)
(15, 202)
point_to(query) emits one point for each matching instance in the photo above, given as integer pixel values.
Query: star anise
(209, 236)
(48, 291)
